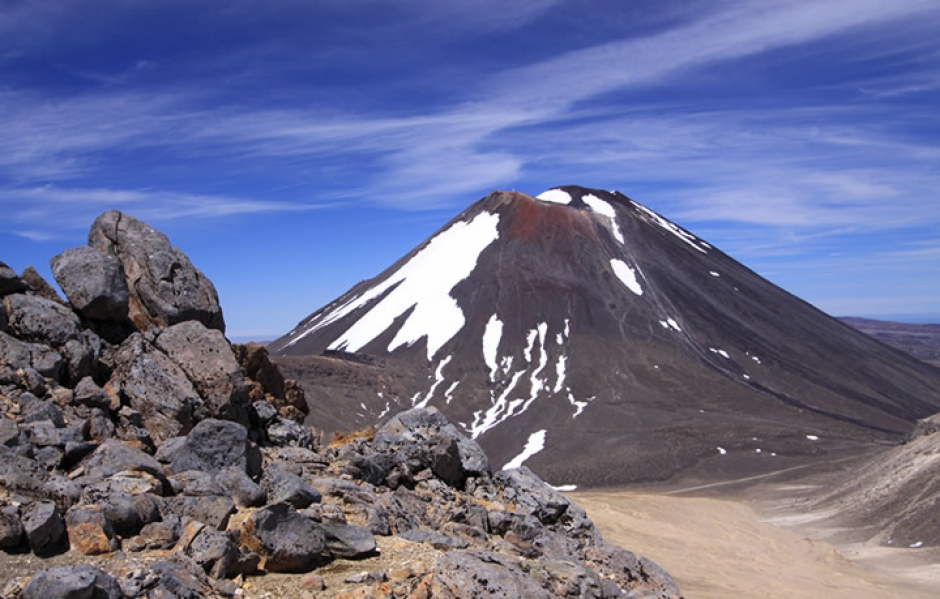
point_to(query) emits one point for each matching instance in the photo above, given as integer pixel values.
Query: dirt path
(719, 548)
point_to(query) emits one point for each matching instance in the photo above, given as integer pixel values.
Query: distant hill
(919, 340)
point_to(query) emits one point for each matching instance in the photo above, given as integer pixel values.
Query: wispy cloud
(61, 211)
(779, 167)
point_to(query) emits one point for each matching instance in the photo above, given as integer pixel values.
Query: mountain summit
(589, 337)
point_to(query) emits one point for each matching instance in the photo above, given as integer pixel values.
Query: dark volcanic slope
(599, 342)
(920, 340)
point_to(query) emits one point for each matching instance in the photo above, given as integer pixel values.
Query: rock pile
(132, 430)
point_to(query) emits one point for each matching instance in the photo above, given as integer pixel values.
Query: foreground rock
(125, 440)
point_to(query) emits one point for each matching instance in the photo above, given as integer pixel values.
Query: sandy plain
(746, 543)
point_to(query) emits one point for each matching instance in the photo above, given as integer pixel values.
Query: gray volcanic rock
(157, 388)
(20, 354)
(40, 286)
(215, 445)
(9, 282)
(93, 282)
(82, 581)
(113, 457)
(39, 320)
(43, 526)
(165, 288)
(207, 359)
(287, 541)
(595, 341)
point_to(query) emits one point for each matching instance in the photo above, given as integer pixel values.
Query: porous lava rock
(93, 282)
(164, 287)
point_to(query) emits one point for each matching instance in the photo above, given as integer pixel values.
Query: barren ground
(738, 543)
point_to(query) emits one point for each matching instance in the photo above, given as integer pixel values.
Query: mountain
(591, 338)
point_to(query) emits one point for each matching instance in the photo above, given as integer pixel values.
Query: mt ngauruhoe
(598, 342)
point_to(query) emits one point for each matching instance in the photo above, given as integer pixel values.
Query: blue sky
(294, 148)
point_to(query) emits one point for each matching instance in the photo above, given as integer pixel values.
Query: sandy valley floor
(720, 548)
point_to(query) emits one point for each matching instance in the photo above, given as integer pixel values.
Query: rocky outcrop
(133, 440)
(93, 282)
(164, 287)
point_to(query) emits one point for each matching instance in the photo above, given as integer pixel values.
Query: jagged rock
(20, 354)
(156, 535)
(286, 541)
(81, 356)
(89, 530)
(214, 445)
(98, 427)
(213, 511)
(93, 282)
(459, 572)
(287, 432)
(215, 551)
(82, 581)
(244, 491)
(36, 319)
(165, 288)
(9, 282)
(88, 393)
(113, 457)
(157, 388)
(255, 361)
(423, 435)
(43, 526)
(63, 491)
(638, 575)
(40, 286)
(207, 359)
(284, 487)
(11, 529)
(32, 381)
(33, 409)
(21, 474)
(177, 577)
(265, 412)
(531, 495)
(195, 483)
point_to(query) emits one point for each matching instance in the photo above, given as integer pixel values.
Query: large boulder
(165, 288)
(81, 581)
(207, 359)
(37, 319)
(93, 282)
(214, 446)
(286, 540)
(157, 388)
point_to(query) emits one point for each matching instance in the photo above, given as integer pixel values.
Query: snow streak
(423, 285)
(535, 444)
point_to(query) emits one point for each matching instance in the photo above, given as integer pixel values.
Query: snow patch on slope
(535, 444)
(627, 275)
(601, 207)
(555, 196)
(438, 379)
(491, 337)
(423, 284)
(670, 323)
